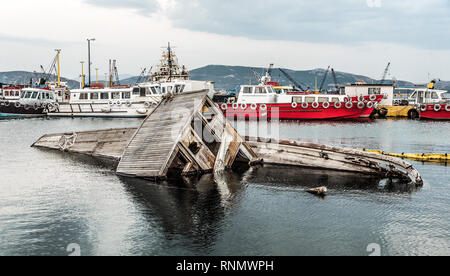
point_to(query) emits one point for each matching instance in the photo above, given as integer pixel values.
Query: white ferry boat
(131, 102)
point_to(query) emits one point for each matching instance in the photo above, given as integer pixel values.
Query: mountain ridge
(228, 77)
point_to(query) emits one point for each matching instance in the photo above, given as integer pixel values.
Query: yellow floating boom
(433, 157)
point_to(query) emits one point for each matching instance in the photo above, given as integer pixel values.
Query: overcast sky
(356, 36)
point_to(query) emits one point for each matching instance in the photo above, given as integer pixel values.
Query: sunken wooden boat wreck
(188, 134)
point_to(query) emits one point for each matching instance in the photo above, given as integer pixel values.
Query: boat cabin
(175, 87)
(256, 94)
(364, 89)
(37, 96)
(11, 93)
(429, 96)
(106, 95)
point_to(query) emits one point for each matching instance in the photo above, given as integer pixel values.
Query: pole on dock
(89, 58)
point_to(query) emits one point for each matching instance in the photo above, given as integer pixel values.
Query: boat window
(154, 91)
(427, 94)
(44, 96)
(414, 95)
(35, 95)
(310, 99)
(104, 96)
(126, 95)
(335, 100)
(142, 92)
(323, 99)
(17, 93)
(270, 90)
(179, 88)
(446, 96)
(83, 96)
(94, 96)
(169, 89)
(163, 89)
(374, 90)
(247, 90)
(136, 91)
(297, 99)
(51, 96)
(115, 95)
(434, 96)
(260, 90)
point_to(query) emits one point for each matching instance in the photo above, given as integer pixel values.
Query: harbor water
(50, 200)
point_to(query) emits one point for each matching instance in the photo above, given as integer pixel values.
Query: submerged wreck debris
(188, 134)
(321, 191)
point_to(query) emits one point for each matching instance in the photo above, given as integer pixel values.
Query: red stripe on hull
(286, 111)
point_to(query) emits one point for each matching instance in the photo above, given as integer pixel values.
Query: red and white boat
(431, 104)
(255, 101)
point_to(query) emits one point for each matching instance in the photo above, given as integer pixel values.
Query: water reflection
(336, 182)
(192, 207)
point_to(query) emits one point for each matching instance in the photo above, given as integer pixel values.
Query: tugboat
(431, 104)
(34, 102)
(256, 101)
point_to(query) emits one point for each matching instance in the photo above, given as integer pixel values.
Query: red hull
(286, 111)
(432, 114)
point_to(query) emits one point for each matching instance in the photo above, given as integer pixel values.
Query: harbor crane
(386, 71)
(294, 82)
(336, 85)
(324, 78)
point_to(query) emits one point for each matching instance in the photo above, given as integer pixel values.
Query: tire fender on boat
(361, 98)
(447, 108)
(326, 105)
(244, 106)
(294, 105)
(7, 103)
(129, 104)
(423, 107)
(370, 105)
(348, 105)
(305, 105)
(263, 107)
(254, 106)
(119, 103)
(437, 107)
(361, 105)
(111, 103)
(373, 97)
(315, 104)
(337, 105)
(17, 105)
(235, 106)
(147, 104)
(224, 106)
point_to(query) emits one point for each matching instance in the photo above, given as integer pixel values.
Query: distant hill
(444, 85)
(228, 77)
(23, 77)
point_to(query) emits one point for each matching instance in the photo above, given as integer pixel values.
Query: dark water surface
(49, 200)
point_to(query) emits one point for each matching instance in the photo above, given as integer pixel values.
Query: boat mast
(170, 62)
(58, 52)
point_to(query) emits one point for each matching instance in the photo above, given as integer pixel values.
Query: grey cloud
(414, 22)
(143, 6)
(421, 23)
